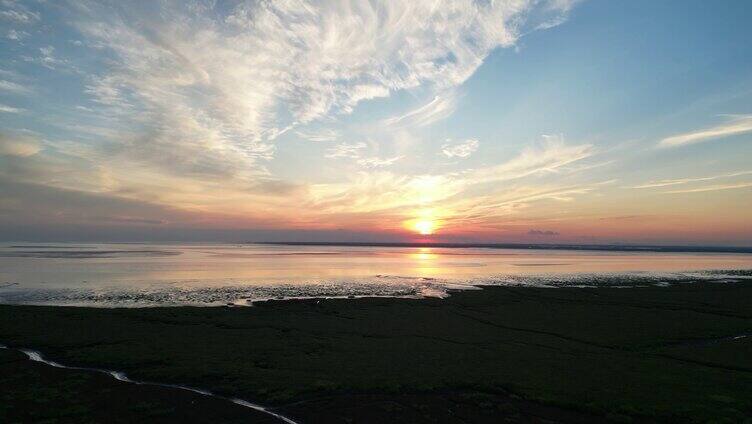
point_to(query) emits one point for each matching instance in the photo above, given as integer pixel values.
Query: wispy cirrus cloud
(735, 126)
(437, 109)
(664, 183)
(701, 188)
(377, 162)
(18, 145)
(346, 150)
(357, 152)
(10, 109)
(16, 35)
(12, 87)
(324, 134)
(369, 192)
(18, 12)
(460, 150)
(48, 59)
(186, 103)
(237, 75)
(712, 188)
(551, 156)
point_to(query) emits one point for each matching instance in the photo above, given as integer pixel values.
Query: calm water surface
(166, 274)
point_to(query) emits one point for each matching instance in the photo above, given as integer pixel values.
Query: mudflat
(677, 353)
(36, 393)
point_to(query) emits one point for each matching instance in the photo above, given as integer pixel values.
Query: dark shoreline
(540, 246)
(660, 354)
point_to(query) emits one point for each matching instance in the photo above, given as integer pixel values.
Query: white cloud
(13, 87)
(356, 152)
(712, 188)
(17, 12)
(345, 150)
(238, 74)
(437, 109)
(736, 125)
(378, 190)
(16, 35)
(20, 146)
(49, 60)
(10, 109)
(460, 150)
(185, 99)
(554, 22)
(324, 134)
(551, 156)
(664, 183)
(378, 162)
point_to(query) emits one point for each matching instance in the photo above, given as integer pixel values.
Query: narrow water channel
(36, 356)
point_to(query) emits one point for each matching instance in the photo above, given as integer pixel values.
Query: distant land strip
(589, 247)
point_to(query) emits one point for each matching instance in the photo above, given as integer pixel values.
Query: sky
(531, 121)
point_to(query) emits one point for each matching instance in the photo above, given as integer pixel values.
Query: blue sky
(545, 121)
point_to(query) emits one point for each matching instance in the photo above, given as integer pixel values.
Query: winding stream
(120, 376)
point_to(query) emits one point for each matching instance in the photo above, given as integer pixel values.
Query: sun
(424, 222)
(424, 227)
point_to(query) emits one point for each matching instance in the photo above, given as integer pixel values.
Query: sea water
(96, 274)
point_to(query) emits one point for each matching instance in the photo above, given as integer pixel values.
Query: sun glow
(426, 221)
(424, 227)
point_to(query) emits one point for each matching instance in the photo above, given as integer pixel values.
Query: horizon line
(541, 246)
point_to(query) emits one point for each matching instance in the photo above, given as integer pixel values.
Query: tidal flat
(681, 353)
